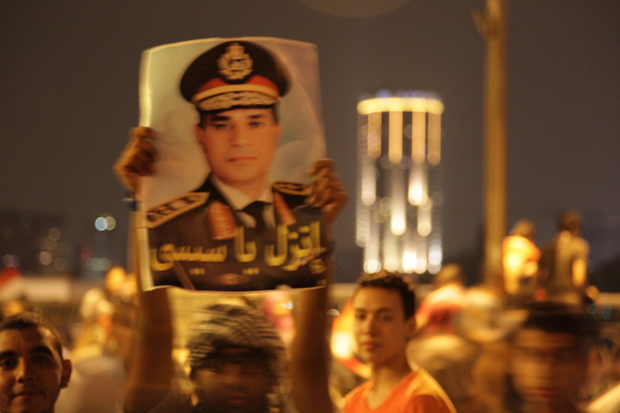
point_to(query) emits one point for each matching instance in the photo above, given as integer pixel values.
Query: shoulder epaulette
(292, 188)
(175, 207)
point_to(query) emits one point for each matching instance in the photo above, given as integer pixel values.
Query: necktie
(255, 210)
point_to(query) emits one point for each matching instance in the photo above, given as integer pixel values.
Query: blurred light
(418, 137)
(111, 223)
(424, 218)
(369, 184)
(411, 104)
(410, 261)
(342, 344)
(437, 198)
(395, 142)
(10, 261)
(100, 264)
(45, 258)
(421, 264)
(435, 255)
(391, 264)
(54, 234)
(417, 185)
(372, 267)
(434, 138)
(389, 250)
(374, 135)
(398, 223)
(50, 244)
(101, 224)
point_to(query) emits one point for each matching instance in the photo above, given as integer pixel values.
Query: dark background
(69, 79)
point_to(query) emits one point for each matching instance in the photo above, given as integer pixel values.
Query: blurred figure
(99, 370)
(101, 350)
(33, 369)
(549, 359)
(98, 305)
(439, 350)
(520, 257)
(564, 260)
(384, 323)
(437, 310)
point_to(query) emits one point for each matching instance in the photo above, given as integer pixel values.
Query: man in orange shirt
(384, 305)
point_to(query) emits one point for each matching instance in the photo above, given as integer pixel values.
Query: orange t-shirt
(417, 392)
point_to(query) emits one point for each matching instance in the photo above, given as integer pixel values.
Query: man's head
(384, 305)
(235, 87)
(32, 370)
(570, 221)
(236, 359)
(549, 355)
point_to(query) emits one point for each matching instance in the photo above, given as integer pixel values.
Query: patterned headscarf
(226, 325)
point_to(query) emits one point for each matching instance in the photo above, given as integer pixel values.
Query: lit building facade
(399, 183)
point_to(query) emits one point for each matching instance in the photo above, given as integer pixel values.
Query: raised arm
(309, 349)
(150, 366)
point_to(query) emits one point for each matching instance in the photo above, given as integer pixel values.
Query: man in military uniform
(236, 231)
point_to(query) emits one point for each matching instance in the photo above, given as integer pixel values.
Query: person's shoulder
(175, 207)
(356, 396)
(426, 395)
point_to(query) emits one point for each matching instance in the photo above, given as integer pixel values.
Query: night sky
(69, 80)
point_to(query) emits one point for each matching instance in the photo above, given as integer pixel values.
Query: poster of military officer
(236, 195)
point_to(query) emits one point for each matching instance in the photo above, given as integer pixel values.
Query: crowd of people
(460, 351)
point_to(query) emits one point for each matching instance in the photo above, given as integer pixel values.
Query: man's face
(547, 368)
(31, 371)
(240, 145)
(235, 379)
(380, 328)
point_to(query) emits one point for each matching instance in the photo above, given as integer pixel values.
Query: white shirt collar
(237, 199)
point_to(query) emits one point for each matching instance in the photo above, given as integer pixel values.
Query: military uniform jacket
(198, 242)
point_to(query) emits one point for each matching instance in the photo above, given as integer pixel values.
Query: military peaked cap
(234, 74)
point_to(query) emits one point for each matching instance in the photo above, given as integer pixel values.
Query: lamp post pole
(492, 25)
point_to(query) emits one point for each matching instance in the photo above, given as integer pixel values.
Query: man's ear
(410, 327)
(67, 368)
(199, 132)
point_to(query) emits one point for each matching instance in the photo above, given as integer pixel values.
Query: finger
(321, 164)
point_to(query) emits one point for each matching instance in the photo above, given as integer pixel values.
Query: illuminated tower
(399, 202)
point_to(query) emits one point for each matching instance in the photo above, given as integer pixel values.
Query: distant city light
(107, 223)
(101, 224)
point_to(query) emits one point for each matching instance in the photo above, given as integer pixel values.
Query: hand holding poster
(237, 126)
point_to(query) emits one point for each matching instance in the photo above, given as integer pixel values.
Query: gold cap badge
(235, 64)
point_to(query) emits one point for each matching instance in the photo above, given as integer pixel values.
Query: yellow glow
(371, 252)
(395, 146)
(342, 344)
(363, 226)
(434, 139)
(418, 137)
(416, 104)
(398, 223)
(424, 218)
(410, 261)
(372, 267)
(369, 184)
(374, 135)
(417, 194)
(421, 264)
(390, 249)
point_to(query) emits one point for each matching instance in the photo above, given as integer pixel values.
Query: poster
(238, 125)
